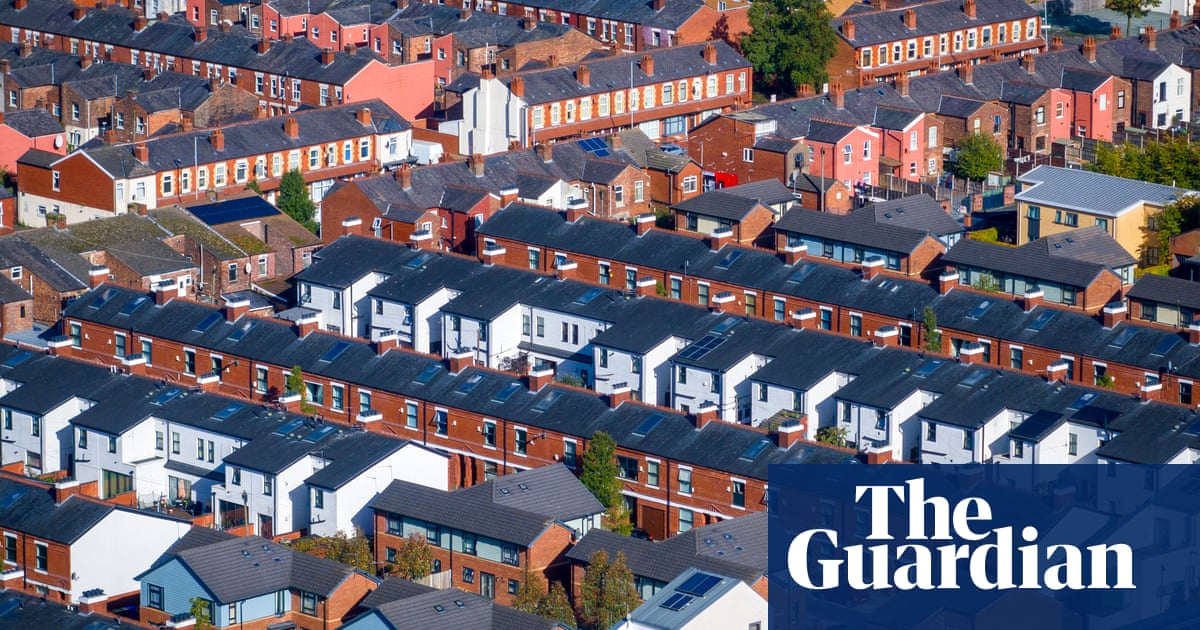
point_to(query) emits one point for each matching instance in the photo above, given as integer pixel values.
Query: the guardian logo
(975, 555)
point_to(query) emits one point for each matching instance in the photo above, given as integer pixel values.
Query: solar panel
(755, 449)
(980, 309)
(1166, 345)
(17, 359)
(648, 425)
(507, 392)
(595, 146)
(241, 330)
(701, 348)
(470, 383)
(729, 258)
(137, 303)
(336, 351)
(320, 434)
(588, 297)
(929, 368)
(547, 400)
(289, 427)
(699, 584)
(167, 396)
(99, 300)
(207, 322)
(228, 410)
(252, 207)
(1123, 338)
(677, 601)
(1041, 320)
(427, 374)
(726, 325)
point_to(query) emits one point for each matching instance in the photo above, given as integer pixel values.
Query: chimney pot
(217, 139)
(969, 8)
(141, 152)
(364, 116)
(291, 127)
(1151, 38)
(545, 151)
(910, 19)
(583, 75)
(648, 65)
(1089, 48)
(1115, 31)
(710, 54)
(404, 177)
(837, 95)
(476, 163)
(200, 34)
(1029, 62)
(1176, 20)
(327, 56)
(264, 45)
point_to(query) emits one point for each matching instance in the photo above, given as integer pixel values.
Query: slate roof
(1041, 260)
(16, 252)
(342, 261)
(848, 229)
(919, 212)
(11, 292)
(933, 18)
(453, 608)
(1094, 193)
(23, 611)
(30, 508)
(41, 380)
(674, 63)
(353, 455)
(720, 204)
(1166, 290)
(468, 512)
(394, 589)
(551, 491)
(241, 568)
(130, 238)
(768, 191)
(33, 122)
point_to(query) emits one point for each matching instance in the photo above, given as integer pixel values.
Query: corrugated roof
(1093, 193)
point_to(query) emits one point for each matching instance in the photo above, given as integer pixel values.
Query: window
(233, 613)
(154, 595)
(676, 288)
(268, 486)
(627, 468)
(314, 393)
(619, 196)
(158, 440)
(856, 325)
(685, 519)
(1120, 99)
(1102, 224)
(826, 319)
(308, 603)
(651, 473)
(685, 480)
(535, 257)
(636, 368)
(1073, 445)
(513, 587)
(570, 453)
(83, 438)
(10, 548)
(739, 494)
(930, 432)
(1185, 392)
(1041, 115)
(1016, 358)
(318, 498)
(702, 294)
(747, 155)
(236, 477)
(35, 426)
(440, 418)
(174, 442)
(489, 434)
(338, 392)
(260, 379)
(867, 150)
(520, 441)
(968, 441)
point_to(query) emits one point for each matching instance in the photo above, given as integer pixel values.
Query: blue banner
(984, 546)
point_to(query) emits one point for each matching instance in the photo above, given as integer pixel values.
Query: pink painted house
(33, 128)
(846, 152)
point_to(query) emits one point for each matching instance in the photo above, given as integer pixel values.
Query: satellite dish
(58, 141)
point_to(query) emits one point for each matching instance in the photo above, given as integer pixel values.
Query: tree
(354, 551)
(1131, 9)
(601, 474)
(201, 612)
(555, 605)
(1175, 218)
(608, 592)
(295, 385)
(977, 155)
(533, 588)
(294, 201)
(414, 559)
(833, 436)
(933, 336)
(789, 43)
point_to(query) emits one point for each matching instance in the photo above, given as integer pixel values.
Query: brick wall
(16, 317)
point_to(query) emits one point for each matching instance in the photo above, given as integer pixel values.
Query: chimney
(583, 76)
(902, 84)
(110, 137)
(1031, 299)
(707, 412)
(710, 54)
(969, 8)
(139, 23)
(1193, 332)
(476, 164)
(386, 342)
(20, 4)
(1176, 20)
(508, 195)
(551, 61)
(404, 177)
(1089, 48)
(1151, 38)
(288, 38)
(217, 139)
(26, 48)
(517, 86)
(493, 253)
(85, 62)
(793, 254)
(291, 128)
(260, 112)
(225, 26)
(614, 140)
(870, 267)
(351, 225)
(644, 222)
(264, 45)
(790, 432)
(306, 324)
(995, 56)
(141, 152)
(648, 65)
(966, 72)
(848, 29)
(163, 16)
(349, 48)
(837, 95)
(947, 281)
(565, 268)
(529, 24)
(576, 210)
(185, 122)
(804, 90)
(1115, 31)
(214, 84)
(719, 238)
(1112, 314)
(1196, 11)
(148, 73)
(327, 56)
(235, 309)
(200, 34)
(724, 302)
(804, 319)
(1147, 392)
(1056, 43)
(910, 19)
(539, 377)
(5, 66)
(647, 286)
(460, 360)
(165, 292)
(464, 13)
(887, 335)
(1029, 63)
(97, 275)
(545, 151)
(77, 13)
(659, 5)
(618, 395)
(971, 353)
(364, 116)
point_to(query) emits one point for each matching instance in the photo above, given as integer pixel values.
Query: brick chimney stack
(364, 116)
(1112, 314)
(710, 54)
(966, 72)
(1056, 43)
(1176, 20)
(20, 5)
(1151, 38)
(583, 75)
(148, 73)
(141, 152)
(225, 26)
(902, 84)
(476, 163)
(517, 87)
(659, 5)
(837, 95)
(648, 65)
(848, 29)
(1029, 62)
(200, 34)
(1115, 31)
(291, 128)
(947, 281)
(910, 19)
(78, 13)
(529, 24)
(1089, 48)
(969, 8)
(217, 139)
(545, 151)
(404, 177)
(264, 45)
(327, 56)
(139, 23)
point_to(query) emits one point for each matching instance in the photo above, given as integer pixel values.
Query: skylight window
(1041, 320)
(729, 258)
(929, 368)
(427, 374)
(1166, 345)
(17, 359)
(228, 410)
(547, 400)
(980, 309)
(242, 329)
(320, 434)
(701, 348)
(336, 351)
(103, 298)
(167, 396)
(755, 449)
(470, 383)
(648, 425)
(137, 303)
(507, 392)
(1123, 338)
(588, 297)
(289, 427)
(207, 322)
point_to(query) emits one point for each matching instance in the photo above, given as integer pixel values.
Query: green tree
(555, 605)
(834, 436)
(1175, 218)
(354, 551)
(414, 559)
(1131, 9)
(977, 155)
(532, 590)
(933, 336)
(1106, 381)
(601, 474)
(295, 385)
(608, 592)
(202, 612)
(790, 42)
(294, 201)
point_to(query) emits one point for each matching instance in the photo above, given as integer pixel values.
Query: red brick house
(742, 147)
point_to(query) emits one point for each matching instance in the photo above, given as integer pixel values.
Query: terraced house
(323, 144)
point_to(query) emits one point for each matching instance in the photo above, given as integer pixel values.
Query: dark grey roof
(1095, 193)
(453, 608)
(774, 144)
(849, 229)
(41, 379)
(23, 611)
(828, 131)
(933, 18)
(1039, 260)
(919, 212)
(11, 292)
(347, 453)
(33, 122)
(240, 568)
(720, 204)
(1022, 93)
(347, 260)
(552, 491)
(469, 512)
(30, 509)
(353, 455)
(958, 107)
(131, 238)
(1166, 290)
(393, 589)
(16, 252)
(893, 118)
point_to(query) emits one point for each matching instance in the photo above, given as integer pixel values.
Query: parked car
(673, 149)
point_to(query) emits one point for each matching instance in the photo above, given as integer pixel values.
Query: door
(654, 521)
(487, 585)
